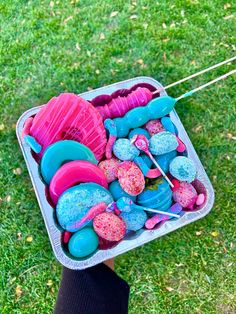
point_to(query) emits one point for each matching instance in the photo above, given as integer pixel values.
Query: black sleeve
(95, 290)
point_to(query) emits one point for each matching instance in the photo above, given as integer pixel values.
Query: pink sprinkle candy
(110, 168)
(176, 184)
(154, 127)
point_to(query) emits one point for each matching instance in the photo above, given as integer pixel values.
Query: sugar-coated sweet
(123, 149)
(131, 178)
(135, 219)
(117, 191)
(139, 131)
(185, 195)
(110, 168)
(154, 127)
(109, 227)
(75, 202)
(83, 243)
(162, 143)
(183, 169)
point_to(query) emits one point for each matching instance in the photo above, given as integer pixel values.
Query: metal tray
(143, 236)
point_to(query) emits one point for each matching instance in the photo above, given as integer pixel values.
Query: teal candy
(162, 143)
(139, 131)
(183, 169)
(158, 197)
(135, 219)
(168, 124)
(83, 243)
(165, 159)
(74, 203)
(147, 160)
(34, 145)
(59, 153)
(123, 149)
(155, 109)
(117, 191)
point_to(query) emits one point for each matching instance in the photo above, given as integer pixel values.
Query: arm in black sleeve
(95, 290)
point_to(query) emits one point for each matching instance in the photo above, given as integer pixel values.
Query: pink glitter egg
(110, 168)
(154, 127)
(185, 195)
(131, 178)
(110, 227)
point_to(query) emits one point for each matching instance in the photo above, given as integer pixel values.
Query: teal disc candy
(61, 152)
(83, 243)
(117, 191)
(75, 202)
(135, 219)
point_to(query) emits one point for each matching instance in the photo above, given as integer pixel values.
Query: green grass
(47, 49)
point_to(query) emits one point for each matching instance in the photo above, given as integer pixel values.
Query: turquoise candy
(155, 109)
(165, 159)
(117, 191)
(162, 143)
(74, 203)
(158, 196)
(168, 124)
(135, 219)
(124, 150)
(34, 145)
(83, 243)
(183, 169)
(59, 153)
(139, 131)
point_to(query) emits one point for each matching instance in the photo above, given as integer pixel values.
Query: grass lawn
(48, 47)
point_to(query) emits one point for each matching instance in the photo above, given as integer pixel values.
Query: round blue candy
(117, 191)
(162, 143)
(183, 169)
(138, 131)
(74, 203)
(83, 243)
(124, 150)
(135, 219)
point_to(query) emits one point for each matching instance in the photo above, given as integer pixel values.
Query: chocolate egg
(131, 178)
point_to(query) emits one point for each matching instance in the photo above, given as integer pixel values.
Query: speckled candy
(75, 202)
(162, 143)
(135, 219)
(83, 243)
(124, 150)
(131, 178)
(185, 195)
(183, 169)
(117, 191)
(110, 168)
(109, 227)
(154, 127)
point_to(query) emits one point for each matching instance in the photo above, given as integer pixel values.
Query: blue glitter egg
(83, 243)
(74, 203)
(162, 143)
(139, 131)
(124, 150)
(183, 169)
(117, 191)
(135, 219)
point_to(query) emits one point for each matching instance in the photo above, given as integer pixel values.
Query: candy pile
(110, 171)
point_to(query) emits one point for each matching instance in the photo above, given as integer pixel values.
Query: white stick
(160, 212)
(195, 75)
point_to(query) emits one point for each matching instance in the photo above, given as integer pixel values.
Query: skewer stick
(157, 211)
(195, 75)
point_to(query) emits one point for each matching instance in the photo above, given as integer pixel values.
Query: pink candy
(200, 199)
(154, 127)
(131, 178)
(185, 195)
(110, 168)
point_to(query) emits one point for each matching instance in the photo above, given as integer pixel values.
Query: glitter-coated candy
(109, 227)
(139, 131)
(83, 243)
(117, 191)
(131, 178)
(75, 202)
(110, 168)
(135, 219)
(124, 150)
(185, 195)
(154, 127)
(183, 169)
(162, 143)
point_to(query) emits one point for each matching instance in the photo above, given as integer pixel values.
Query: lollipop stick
(157, 211)
(195, 75)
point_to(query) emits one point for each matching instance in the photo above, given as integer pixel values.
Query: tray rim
(145, 236)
